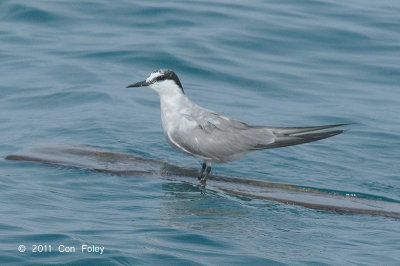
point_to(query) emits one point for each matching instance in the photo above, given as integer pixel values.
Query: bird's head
(163, 81)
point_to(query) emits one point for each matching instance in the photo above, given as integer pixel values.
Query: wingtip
(342, 124)
(340, 131)
(349, 124)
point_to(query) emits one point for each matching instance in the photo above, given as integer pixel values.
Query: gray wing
(220, 138)
(288, 136)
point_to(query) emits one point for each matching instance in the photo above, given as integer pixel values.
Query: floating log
(125, 164)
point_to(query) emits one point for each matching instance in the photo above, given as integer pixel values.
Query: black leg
(204, 179)
(203, 167)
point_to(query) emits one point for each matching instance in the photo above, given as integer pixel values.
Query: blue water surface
(64, 67)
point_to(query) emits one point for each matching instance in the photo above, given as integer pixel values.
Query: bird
(214, 137)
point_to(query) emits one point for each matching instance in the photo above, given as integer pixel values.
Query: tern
(213, 137)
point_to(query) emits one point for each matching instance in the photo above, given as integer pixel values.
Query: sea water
(63, 71)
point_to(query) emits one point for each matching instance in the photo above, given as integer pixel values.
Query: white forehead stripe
(153, 76)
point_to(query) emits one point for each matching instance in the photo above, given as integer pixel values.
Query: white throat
(166, 88)
(174, 104)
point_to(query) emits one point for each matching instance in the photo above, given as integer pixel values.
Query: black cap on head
(159, 75)
(168, 74)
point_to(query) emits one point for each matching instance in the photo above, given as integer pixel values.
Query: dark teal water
(64, 66)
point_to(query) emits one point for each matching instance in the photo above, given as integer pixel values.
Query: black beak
(139, 84)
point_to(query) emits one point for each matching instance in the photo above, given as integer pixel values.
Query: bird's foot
(203, 167)
(203, 182)
(203, 179)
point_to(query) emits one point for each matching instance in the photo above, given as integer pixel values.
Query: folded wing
(219, 138)
(287, 136)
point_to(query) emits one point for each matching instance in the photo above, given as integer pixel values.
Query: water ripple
(65, 65)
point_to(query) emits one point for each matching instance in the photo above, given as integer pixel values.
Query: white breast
(174, 110)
